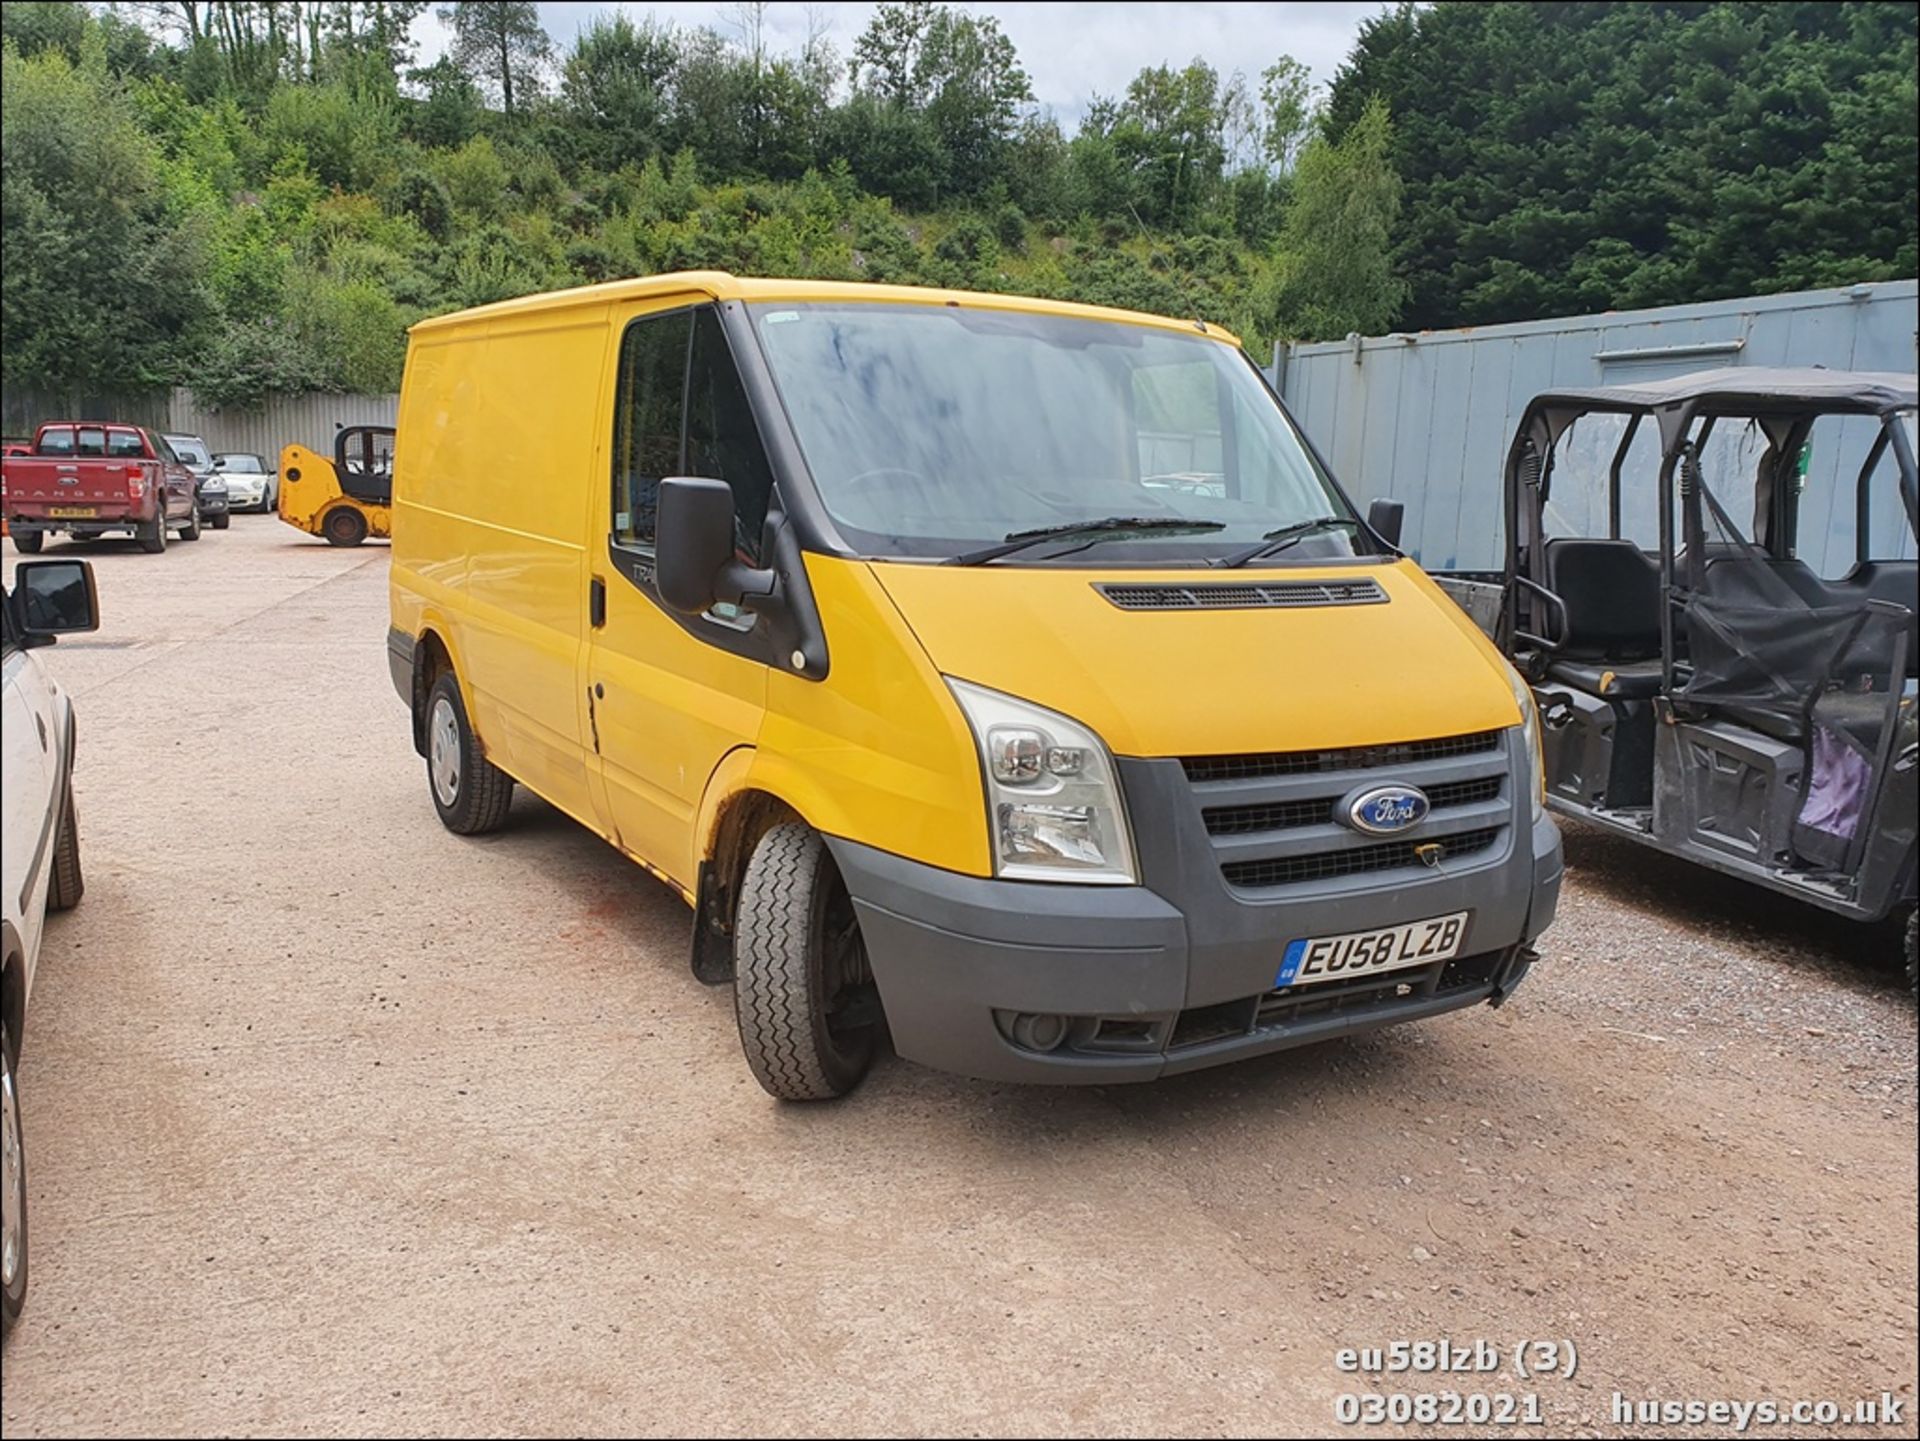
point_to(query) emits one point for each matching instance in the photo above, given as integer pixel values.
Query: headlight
(1053, 804)
(1530, 733)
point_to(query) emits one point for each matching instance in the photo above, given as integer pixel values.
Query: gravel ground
(339, 1125)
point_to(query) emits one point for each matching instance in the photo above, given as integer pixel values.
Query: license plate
(73, 512)
(1392, 948)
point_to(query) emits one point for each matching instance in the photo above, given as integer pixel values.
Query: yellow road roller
(345, 499)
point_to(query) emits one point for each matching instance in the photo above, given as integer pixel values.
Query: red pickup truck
(88, 478)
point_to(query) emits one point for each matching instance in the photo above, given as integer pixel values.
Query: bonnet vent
(1265, 595)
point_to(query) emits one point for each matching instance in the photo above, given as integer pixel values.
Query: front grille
(1291, 763)
(1286, 815)
(1325, 865)
(1253, 595)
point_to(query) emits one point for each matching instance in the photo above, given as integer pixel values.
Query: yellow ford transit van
(1006, 677)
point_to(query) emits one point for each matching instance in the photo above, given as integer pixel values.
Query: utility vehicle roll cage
(1785, 403)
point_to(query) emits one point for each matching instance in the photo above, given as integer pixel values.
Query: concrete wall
(1427, 417)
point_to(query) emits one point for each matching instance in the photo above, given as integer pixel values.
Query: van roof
(719, 285)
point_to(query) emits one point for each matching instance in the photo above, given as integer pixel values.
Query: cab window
(125, 444)
(92, 441)
(646, 425)
(680, 409)
(723, 443)
(57, 441)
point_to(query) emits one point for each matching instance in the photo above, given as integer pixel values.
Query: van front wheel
(470, 792)
(803, 993)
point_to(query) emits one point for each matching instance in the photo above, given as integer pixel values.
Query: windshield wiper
(1113, 525)
(1275, 541)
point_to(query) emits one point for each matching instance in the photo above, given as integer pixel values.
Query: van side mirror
(694, 563)
(1384, 518)
(55, 597)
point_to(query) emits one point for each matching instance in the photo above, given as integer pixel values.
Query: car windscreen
(235, 464)
(931, 430)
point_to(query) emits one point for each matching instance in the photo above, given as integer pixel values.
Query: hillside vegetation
(258, 197)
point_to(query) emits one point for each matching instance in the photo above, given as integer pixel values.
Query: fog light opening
(1040, 1031)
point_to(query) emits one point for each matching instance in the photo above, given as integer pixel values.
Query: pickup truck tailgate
(49, 487)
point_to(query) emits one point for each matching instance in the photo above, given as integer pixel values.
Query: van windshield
(934, 430)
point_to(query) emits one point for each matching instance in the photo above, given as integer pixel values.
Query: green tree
(450, 112)
(959, 72)
(1166, 134)
(1570, 157)
(615, 86)
(102, 282)
(381, 31)
(500, 44)
(1286, 99)
(36, 25)
(1335, 271)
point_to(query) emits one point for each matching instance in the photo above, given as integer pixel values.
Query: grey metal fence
(1426, 417)
(308, 420)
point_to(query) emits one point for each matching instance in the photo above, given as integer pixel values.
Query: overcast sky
(1071, 52)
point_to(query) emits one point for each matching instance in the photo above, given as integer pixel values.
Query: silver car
(40, 857)
(252, 484)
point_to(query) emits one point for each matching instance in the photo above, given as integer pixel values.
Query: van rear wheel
(470, 792)
(803, 993)
(153, 540)
(28, 542)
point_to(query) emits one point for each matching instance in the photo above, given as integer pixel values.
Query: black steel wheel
(804, 996)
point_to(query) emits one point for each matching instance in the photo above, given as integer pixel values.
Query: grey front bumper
(1149, 988)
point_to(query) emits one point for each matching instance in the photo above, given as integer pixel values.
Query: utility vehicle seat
(1612, 594)
(1610, 680)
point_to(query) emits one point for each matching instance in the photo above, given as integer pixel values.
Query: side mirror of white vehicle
(55, 597)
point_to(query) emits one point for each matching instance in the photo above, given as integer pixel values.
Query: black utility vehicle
(1710, 582)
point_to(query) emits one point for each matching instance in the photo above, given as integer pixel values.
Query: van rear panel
(496, 455)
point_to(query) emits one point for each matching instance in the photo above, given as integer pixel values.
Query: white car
(40, 846)
(252, 484)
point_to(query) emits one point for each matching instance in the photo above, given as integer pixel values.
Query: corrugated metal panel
(1426, 418)
(24, 409)
(308, 420)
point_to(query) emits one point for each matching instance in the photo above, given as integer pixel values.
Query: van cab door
(668, 696)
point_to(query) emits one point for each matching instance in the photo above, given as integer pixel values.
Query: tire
(28, 542)
(798, 963)
(344, 526)
(222, 520)
(470, 792)
(13, 1177)
(153, 540)
(191, 530)
(1913, 947)
(68, 883)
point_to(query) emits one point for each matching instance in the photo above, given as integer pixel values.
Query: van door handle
(597, 602)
